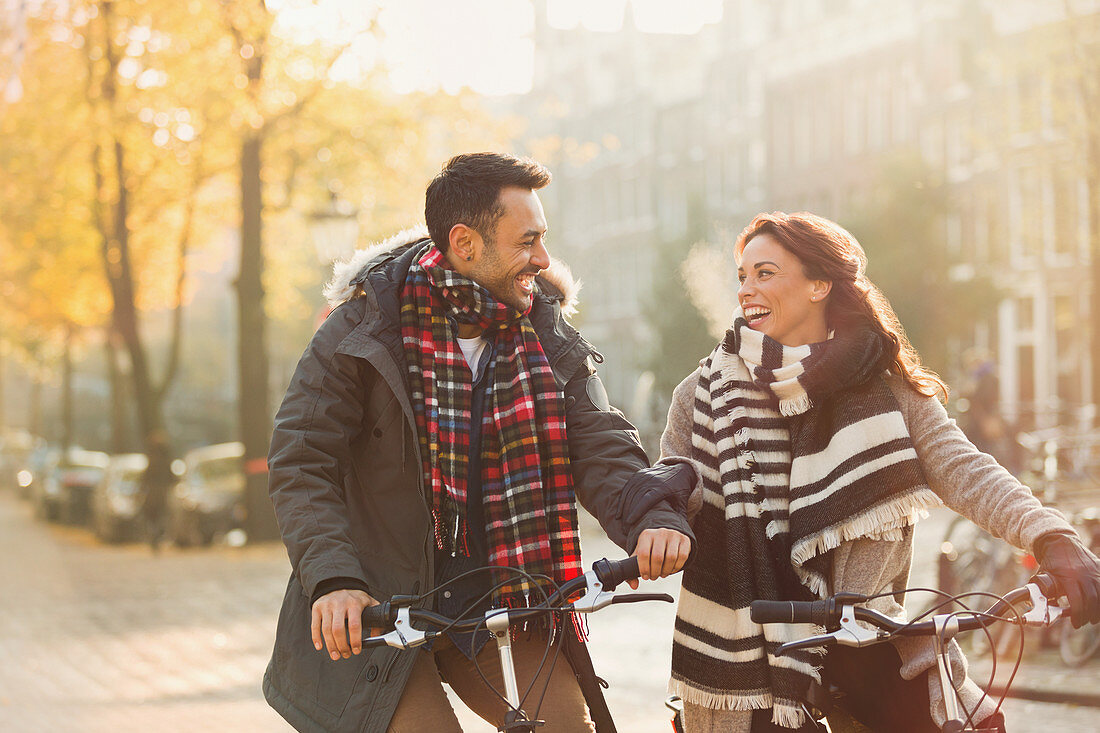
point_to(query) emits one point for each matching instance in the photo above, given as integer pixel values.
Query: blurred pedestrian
(982, 420)
(156, 482)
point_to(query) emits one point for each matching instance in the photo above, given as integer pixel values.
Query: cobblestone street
(114, 639)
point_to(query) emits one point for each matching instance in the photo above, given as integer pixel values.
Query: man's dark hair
(467, 191)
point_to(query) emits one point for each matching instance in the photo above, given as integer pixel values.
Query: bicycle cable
(544, 606)
(979, 616)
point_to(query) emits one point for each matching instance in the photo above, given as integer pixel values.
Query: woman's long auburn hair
(829, 252)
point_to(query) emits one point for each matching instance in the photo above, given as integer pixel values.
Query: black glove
(1078, 572)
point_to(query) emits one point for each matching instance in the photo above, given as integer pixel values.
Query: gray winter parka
(346, 482)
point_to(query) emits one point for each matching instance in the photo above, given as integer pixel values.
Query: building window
(877, 99)
(853, 117)
(802, 133)
(1026, 209)
(1025, 315)
(1025, 359)
(628, 188)
(1070, 356)
(1066, 213)
(953, 226)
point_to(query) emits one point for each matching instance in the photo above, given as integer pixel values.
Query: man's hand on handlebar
(660, 552)
(337, 616)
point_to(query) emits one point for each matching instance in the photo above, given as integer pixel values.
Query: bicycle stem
(498, 627)
(947, 626)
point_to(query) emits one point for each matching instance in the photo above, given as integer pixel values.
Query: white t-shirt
(472, 349)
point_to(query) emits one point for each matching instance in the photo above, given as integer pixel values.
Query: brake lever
(1042, 612)
(595, 597)
(850, 633)
(809, 641)
(636, 597)
(403, 636)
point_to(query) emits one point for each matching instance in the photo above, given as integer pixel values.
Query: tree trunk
(254, 414)
(120, 438)
(34, 419)
(3, 423)
(115, 231)
(67, 391)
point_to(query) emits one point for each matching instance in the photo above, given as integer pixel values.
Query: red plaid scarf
(527, 486)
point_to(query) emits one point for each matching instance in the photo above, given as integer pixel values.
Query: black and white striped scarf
(800, 449)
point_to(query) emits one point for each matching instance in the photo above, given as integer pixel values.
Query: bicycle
(1077, 646)
(839, 615)
(598, 586)
(970, 557)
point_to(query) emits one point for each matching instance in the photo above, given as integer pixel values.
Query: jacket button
(372, 672)
(378, 432)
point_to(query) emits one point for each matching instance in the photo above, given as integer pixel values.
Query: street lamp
(334, 229)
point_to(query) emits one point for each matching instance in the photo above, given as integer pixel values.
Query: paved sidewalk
(113, 639)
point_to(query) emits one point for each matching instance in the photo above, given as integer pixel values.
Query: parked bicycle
(597, 589)
(971, 558)
(1078, 646)
(839, 615)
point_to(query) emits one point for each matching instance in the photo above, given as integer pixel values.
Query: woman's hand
(1077, 571)
(661, 552)
(336, 617)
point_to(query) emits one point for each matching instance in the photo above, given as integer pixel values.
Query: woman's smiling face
(776, 296)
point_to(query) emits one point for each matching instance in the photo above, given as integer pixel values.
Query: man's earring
(469, 257)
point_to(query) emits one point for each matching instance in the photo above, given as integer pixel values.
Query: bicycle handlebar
(829, 612)
(609, 574)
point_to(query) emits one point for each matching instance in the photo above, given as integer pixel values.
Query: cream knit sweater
(967, 480)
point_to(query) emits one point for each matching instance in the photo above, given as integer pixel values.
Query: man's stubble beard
(501, 285)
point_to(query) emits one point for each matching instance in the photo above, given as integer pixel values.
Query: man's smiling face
(515, 252)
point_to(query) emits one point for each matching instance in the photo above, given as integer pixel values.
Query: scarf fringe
(795, 405)
(786, 715)
(882, 520)
(718, 699)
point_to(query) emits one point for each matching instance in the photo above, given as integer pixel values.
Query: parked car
(208, 501)
(16, 449)
(65, 492)
(117, 498)
(34, 473)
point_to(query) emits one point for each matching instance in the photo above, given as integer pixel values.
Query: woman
(819, 441)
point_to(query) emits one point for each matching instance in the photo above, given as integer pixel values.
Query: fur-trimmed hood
(345, 273)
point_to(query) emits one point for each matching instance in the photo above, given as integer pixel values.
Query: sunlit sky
(486, 45)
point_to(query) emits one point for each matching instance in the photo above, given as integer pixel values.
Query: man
(441, 420)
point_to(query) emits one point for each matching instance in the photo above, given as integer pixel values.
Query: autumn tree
(146, 127)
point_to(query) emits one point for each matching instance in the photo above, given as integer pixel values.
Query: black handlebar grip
(377, 617)
(790, 612)
(613, 572)
(1047, 585)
